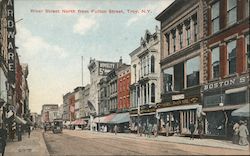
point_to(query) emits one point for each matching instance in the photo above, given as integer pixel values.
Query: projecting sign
(11, 41)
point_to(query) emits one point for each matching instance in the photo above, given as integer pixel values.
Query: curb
(43, 144)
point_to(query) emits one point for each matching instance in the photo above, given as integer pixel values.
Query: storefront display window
(193, 72)
(215, 123)
(233, 98)
(213, 100)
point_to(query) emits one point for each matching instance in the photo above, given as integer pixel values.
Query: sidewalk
(33, 146)
(182, 140)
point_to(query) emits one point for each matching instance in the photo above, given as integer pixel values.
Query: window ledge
(231, 75)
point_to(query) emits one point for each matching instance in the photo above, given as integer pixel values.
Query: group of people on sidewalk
(240, 133)
(3, 137)
(148, 130)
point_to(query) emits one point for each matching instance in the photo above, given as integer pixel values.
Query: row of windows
(145, 93)
(147, 65)
(231, 58)
(231, 13)
(182, 36)
(182, 75)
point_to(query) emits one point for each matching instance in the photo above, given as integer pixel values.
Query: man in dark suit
(3, 137)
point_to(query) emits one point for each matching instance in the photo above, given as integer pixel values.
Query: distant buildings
(49, 112)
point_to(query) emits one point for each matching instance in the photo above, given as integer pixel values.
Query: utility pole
(82, 70)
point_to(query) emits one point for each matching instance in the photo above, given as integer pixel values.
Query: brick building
(226, 63)
(123, 84)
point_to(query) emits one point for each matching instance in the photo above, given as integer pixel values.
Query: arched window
(152, 92)
(152, 64)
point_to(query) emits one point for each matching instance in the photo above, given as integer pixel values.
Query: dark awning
(120, 118)
(243, 111)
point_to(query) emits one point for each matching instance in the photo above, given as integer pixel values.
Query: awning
(236, 90)
(182, 107)
(104, 119)
(120, 118)
(79, 122)
(20, 120)
(242, 112)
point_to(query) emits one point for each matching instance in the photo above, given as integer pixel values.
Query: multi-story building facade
(103, 97)
(66, 111)
(78, 101)
(226, 63)
(112, 90)
(98, 70)
(181, 64)
(25, 90)
(72, 102)
(49, 112)
(145, 79)
(123, 84)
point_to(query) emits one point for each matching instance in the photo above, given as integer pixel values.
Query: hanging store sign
(178, 97)
(186, 101)
(11, 41)
(226, 83)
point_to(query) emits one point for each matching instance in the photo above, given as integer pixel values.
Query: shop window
(215, 59)
(231, 56)
(247, 50)
(215, 123)
(193, 72)
(152, 64)
(233, 98)
(152, 92)
(213, 100)
(215, 18)
(168, 79)
(231, 12)
(179, 76)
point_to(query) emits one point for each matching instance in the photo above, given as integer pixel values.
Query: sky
(52, 35)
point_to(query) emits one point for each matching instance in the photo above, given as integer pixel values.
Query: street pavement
(33, 146)
(73, 142)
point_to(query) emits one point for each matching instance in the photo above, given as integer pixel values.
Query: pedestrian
(236, 133)
(115, 129)
(29, 131)
(191, 128)
(155, 130)
(243, 133)
(200, 129)
(44, 127)
(150, 127)
(167, 128)
(3, 138)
